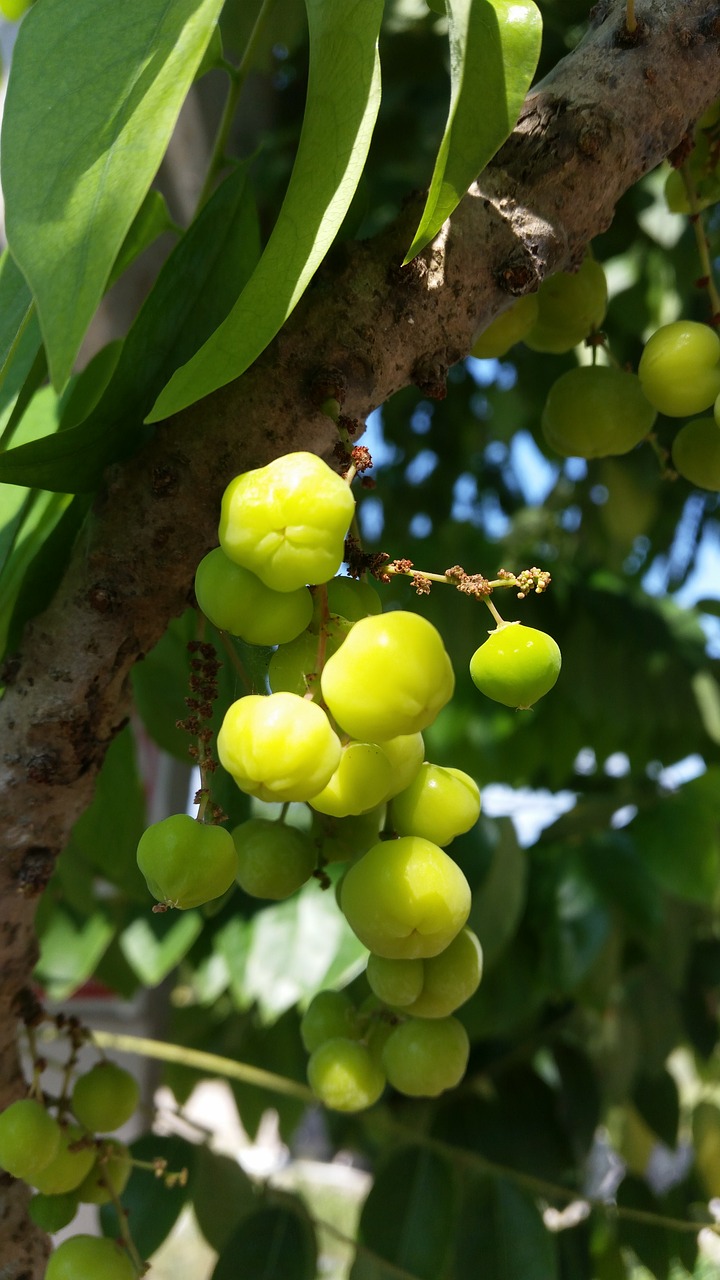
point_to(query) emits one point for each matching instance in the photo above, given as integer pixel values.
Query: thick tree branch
(606, 115)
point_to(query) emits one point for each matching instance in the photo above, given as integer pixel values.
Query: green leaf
(656, 1098)
(498, 903)
(108, 832)
(494, 49)
(70, 948)
(155, 943)
(343, 97)
(677, 838)
(222, 1196)
(152, 1207)
(16, 308)
(192, 295)
(500, 1234)
(74, 177)
(284, 954)
(408, 1217)
(276, 1243)
(151, 219)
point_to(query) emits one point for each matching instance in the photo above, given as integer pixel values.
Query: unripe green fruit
(274, 859)
(52, 1213)
(351, 599)
(405, 898)
(186, 863)
(280, 747)
(509, 327)
(293, 667)
(359, 783)
(340, 839)
(449, 979)
(330, 1015)
(108, 1175)
(89, 1258)
(397, 982)
(516, 665)
(707, 190)
(13, 10)
(423, 1059)
(344, 1076)
(696, 453)
(287, 521)
(405, 754)
(439, 804)
(29, 1138)
(596, 412)
(680, 368)
(105, 1097)
(235, 600)
(570, 308)
(67, 1170)
(390, 677)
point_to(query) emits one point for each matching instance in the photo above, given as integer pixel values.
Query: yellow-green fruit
(280, 747)
(570, 308)
(274, 859)
(405, 899)
(105, 1097)
(29, 1138)
(90, 1258)
(439, 804)
(236, 600)
(680, 368)
(516, 665)
(109, 1175)
(509, 327)
(69, 1167)
(423, 1059)
(696, 453)
(344, 1075)
(596, 412)
(449, 979)
(359, 783)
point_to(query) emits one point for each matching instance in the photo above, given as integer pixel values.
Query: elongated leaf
(75, 176)
(500, 1234)
(192, 295)
(16, 306)
(276, 1243)
(408, 1217)
(342, 102)
(494, 49)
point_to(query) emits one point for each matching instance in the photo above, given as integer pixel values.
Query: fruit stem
(630, 19)
(212, 1063)
(121, 1213)
(238, 76)
(703, 248)
(283, 812)
(500, 621)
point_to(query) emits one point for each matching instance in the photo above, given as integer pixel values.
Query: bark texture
(607, 114)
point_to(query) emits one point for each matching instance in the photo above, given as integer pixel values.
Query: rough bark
(606, 115)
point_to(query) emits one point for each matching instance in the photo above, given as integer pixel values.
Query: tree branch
(607, 114)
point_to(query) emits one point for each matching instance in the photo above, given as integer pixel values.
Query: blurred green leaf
(154, 944)
(274, 1243)
(500, 1234)
(408, 1217)
(151, 1206)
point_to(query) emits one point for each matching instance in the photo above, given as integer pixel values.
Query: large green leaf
(75, 176)
(192, 295)
(152, 1207)
(408, 1217)
(343, 97)
(275, 1243)
(500, 1234)
(70, 947)
(16, 308)
(154, 944)
(494, 49)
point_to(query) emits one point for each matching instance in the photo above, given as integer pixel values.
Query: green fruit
(516, 665)
(390, 677)
(449, 979)
(351, 599)
(109, 1175)
(596, 412)
(105, 1097)
(344, 1075)
(330, 1015)
(509, 327)
(405, 899)
(405, 754)
(396, 982)
(696, 453)
(680, 368)
(439, 804)
(89, 1258)
(52, 1213)
(280, 747)
(359, 783)
(186, 863)
(29, 1138)
(340, 839)
(293, 667)
(423, 1059)
(707, 190)
(571, 306)
(274, 859)
(235, 600)
(67, 1170)
(14, 9)
(287, 521)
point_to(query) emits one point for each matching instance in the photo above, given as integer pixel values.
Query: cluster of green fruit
(68, 1164)
(339, 728)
